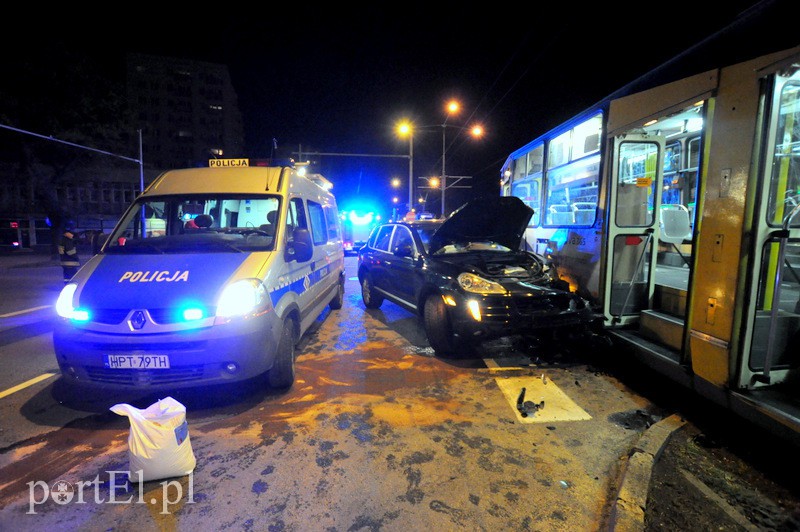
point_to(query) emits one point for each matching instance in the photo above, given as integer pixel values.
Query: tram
(675, 210)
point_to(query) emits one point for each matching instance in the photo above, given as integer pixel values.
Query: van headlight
(478, 285)
(241, 297)
(65, 307)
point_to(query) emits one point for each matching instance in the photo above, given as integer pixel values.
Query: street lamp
(405, 128)
(476, 131)
(432, 182)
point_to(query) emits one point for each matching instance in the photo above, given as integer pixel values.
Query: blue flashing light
(80, 314)
(192, 313)
(361, 219)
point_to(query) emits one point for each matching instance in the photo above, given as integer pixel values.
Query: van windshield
(198, 223)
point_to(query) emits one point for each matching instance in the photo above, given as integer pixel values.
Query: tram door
(634, 194)
(771, 352)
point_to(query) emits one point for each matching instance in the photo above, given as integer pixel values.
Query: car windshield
(197, 223)
(425, 234)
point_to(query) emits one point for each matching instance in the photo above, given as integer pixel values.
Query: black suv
(467, 278)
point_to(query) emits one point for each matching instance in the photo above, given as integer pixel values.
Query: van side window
(297, 216)
(332, 219)
(319, 228)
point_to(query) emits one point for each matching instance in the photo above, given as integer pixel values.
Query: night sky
(338, 79)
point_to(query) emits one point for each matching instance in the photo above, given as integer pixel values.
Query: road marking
(18, 387)
(26, 311)
(507, 363)
(557, 405)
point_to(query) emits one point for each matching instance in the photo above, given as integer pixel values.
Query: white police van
(211, 276)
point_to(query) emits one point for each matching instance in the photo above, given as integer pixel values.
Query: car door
(402, 270)
(379, 255)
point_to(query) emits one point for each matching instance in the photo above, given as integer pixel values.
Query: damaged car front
(468, 279)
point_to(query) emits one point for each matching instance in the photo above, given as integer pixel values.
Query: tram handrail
(776, 298)
(618, 317)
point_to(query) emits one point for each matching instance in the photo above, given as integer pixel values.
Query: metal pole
(411, 171)
(141, 164)
(443, 181)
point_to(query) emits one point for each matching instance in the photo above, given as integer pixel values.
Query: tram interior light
(694, 124)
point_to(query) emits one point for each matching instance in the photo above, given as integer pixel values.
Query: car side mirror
(404, 250)
(300, 247)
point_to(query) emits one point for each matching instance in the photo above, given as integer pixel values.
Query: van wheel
(281, 375)
(438, 328)
(338, 300)
(370, 296)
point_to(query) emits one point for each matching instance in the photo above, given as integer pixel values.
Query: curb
(627, 515)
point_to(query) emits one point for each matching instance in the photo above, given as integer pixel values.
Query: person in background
(68, 252)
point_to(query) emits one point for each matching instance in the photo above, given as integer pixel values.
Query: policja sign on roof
(228, 163)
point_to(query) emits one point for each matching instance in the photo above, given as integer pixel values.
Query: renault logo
(137, 320)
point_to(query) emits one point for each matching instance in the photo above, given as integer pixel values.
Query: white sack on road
(158, 444)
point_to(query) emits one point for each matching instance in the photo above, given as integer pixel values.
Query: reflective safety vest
(68, 251)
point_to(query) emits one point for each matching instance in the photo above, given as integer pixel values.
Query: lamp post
(432, 182)
(452, 107)
(410, 169)
(405, 128)
(476, 131)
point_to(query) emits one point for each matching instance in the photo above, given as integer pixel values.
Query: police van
(211, 276)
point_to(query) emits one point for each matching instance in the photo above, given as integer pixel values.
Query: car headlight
(241, 298)
(478, 285)
(65, 307)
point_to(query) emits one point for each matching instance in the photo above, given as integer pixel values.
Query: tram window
(784, 191)
(781, 299)
(518, 166)
(528, 190)
(558, 150)
(536, 160)
(571, 197)
(672, 179)
(693, 154)
(672, 157)
(636, 183)
(586, 137)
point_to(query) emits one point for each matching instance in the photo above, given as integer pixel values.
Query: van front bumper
(214, 354)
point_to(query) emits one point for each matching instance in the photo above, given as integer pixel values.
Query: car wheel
(438, 328)
(281, 375)
(338, 300)
(371, 298)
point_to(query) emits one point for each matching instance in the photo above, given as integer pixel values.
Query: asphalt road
(380, 434)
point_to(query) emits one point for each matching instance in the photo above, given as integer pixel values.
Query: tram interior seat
(560, 214)
(584, 212)
(675, 227)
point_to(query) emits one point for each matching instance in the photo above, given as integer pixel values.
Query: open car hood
(500, 219)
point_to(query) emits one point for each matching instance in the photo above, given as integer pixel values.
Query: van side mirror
(101, 240)
(300, 247)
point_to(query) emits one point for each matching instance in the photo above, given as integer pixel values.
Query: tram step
(670, 300)
(663, 328)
